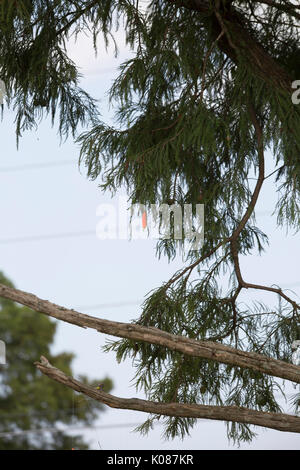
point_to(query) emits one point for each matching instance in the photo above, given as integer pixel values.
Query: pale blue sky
(83, 270)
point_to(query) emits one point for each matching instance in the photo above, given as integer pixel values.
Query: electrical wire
(36, 166)
(50, 236)
(73, 234)
(67, 428)
(76, 428)
(122, 303)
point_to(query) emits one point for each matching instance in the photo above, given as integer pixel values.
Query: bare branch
(279, 421)
(197, 348)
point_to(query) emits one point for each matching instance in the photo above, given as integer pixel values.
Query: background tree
(28, 400)
(206, 94)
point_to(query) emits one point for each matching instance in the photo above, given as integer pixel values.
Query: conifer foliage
(206, 97)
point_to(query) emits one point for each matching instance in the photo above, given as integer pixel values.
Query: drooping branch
(286, 7)
(261, 172)
(196, 263)
(240, 43)
(233, 239)
(198, 348)
(254, 198)
(278, 421)
(76, 16)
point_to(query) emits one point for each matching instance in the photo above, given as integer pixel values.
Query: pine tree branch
(196, 263)
(278, 421)
(205, 62)
(254, 198)
(261, 173)
(239, 42)
(285, 7)
(77, 15)
(278, 291)
(206, 349)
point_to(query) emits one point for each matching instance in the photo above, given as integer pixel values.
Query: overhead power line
(36, 166)
(52, 236)
(111, 304)
(48, 236)
(67, 428)
(79, 428)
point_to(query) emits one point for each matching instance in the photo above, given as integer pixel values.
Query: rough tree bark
(278, 421)
(206, 349)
